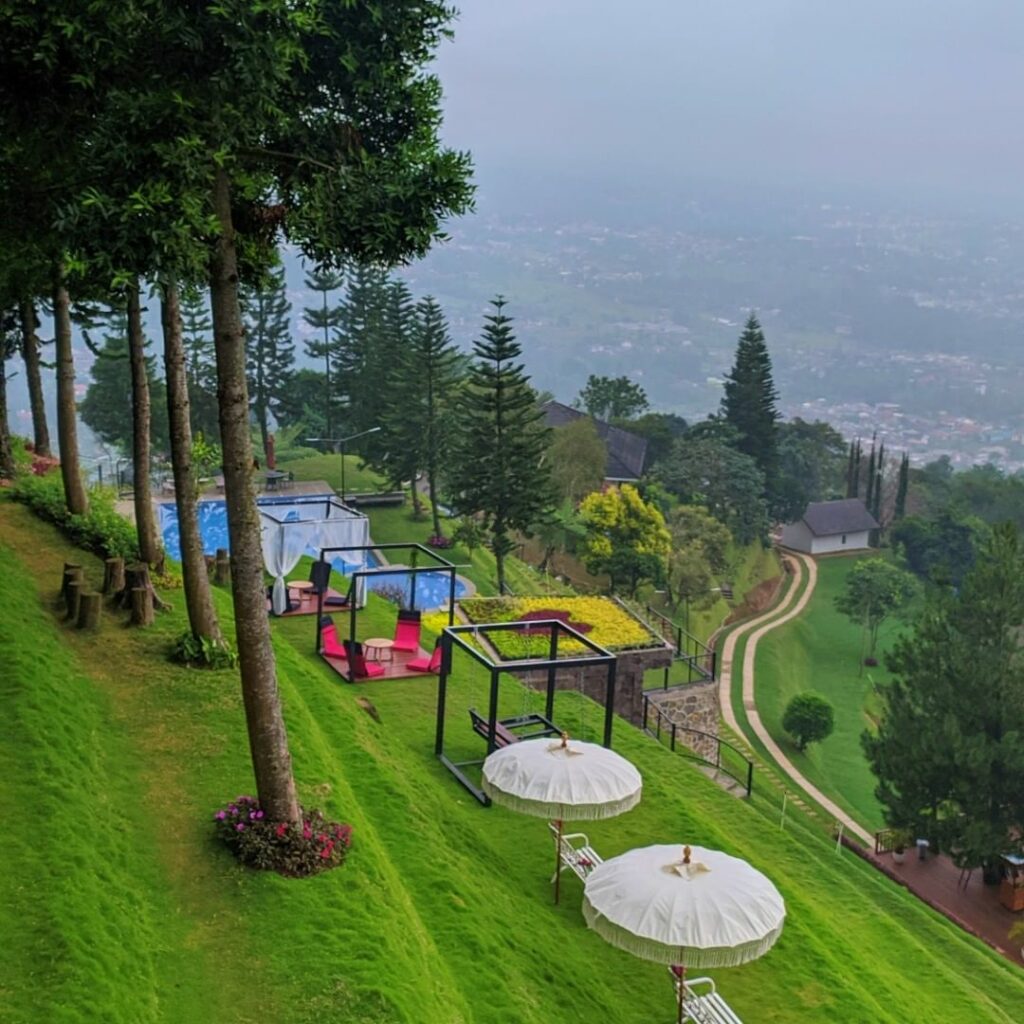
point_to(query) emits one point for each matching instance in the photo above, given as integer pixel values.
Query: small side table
(377, 645)
(304, 587)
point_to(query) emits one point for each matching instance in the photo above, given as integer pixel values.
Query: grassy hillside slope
(820, 651)
(116, 905)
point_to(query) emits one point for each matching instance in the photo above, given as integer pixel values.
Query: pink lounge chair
(431, 664)
(407, 631)
(330, 646)
(359, 667)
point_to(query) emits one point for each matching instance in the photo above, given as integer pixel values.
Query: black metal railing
(694, 660)
(724, 757)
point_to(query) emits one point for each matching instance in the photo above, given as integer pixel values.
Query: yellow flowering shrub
(611, 626)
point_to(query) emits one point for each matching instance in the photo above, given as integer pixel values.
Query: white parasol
(562, 781)
(684, 905)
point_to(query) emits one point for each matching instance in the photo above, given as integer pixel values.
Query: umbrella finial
(565, 740)
(686, 855)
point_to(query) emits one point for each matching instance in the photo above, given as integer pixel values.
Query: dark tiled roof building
(826, 526)
(626, 451)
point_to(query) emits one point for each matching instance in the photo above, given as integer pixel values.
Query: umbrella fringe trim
(564, 812)
(692, 956)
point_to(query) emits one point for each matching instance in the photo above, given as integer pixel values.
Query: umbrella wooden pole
(681, 982)
(558, 858)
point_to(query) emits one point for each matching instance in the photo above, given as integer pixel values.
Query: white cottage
(829, 526)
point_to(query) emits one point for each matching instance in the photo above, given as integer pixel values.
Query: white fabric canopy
(291, 529)
(577, 781)
(716, 911)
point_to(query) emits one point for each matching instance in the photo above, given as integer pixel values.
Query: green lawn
(115, 904)
(820, 651)
(358, 479)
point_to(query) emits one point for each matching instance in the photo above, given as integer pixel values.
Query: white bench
(576, 853)
(703, 1004)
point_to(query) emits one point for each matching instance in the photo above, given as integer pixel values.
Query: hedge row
(101, 530)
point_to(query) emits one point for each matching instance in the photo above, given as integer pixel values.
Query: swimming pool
(431, 587)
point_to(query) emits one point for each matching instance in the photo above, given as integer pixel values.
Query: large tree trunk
(268, 740)
(432, 493)
(67, 429)
(30, 353)
(6, 452)
(201, 615)
(145, 518)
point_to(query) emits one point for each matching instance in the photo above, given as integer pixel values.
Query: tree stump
(137, 575)
(71, 597)
(142, 606)
(113, 576)
(222, 568)
(89, 605)
(72, 571)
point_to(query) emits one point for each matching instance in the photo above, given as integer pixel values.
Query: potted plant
(900, 840)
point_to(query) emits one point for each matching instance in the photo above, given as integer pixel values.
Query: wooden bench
(575, 853)
(703, 1004)
(503, 728)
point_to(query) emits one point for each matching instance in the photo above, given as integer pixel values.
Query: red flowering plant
(439, 540)
(298, 849)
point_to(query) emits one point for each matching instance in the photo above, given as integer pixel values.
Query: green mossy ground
(117, 905)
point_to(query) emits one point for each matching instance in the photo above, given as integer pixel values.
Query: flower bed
(608, 624)
(297, 849)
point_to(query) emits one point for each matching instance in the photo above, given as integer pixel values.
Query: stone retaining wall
(694, 706)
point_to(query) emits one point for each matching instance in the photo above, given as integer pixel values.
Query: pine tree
(358, 349)
(200, 370)
(749, 402)
(855, 489)
(424, 383)
(900, 508)
(325, 318)
(9, 345)
(269, 348)
(498, 471)
(876, 509)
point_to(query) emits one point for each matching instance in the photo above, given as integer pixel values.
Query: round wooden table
(304, 587)
(377, 645)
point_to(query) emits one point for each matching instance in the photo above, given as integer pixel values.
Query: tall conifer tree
(900, 509)
(498, 472)
(324, 318)
(749, 402)
(269, 348)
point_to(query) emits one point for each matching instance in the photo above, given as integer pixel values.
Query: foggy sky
(905, 95)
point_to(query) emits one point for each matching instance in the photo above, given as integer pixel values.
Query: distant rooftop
(626, 451)
(827, 518)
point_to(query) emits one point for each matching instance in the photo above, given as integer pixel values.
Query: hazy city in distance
(647, 177)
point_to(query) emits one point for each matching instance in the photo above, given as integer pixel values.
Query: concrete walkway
(757, 628)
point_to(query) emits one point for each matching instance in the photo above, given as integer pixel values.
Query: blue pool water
(431, 588)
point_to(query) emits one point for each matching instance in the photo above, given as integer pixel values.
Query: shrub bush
(101, 530)
(439, 541)
(298, 849)
(808, 718)
(203, 652)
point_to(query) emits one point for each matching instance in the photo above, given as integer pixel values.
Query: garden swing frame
(451, 638)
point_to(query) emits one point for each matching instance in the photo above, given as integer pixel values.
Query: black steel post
(451, 597)
(442, 691)
(549, 704)
(609, 704)
(492, 720)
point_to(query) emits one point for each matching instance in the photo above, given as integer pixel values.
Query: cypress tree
(855, 491)
(900, 509)
(269, 347)
(869, 493)
(876, 510)
(850, 465)
(326, 318)
(498, 471)
(749, 402)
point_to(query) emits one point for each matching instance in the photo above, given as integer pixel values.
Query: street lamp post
(342, 441)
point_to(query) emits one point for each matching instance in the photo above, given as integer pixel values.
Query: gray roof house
(829, 526)
(626, 451)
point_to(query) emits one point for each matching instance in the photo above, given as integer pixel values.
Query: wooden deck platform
(308, 604)
(393, 669)
(975, 907)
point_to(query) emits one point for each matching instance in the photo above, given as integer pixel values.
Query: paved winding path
(757, 628)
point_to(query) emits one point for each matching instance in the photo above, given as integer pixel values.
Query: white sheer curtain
(283, 545)
(310, 526)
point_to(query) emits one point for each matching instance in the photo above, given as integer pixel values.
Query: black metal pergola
(452, 637)
(439, 565)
